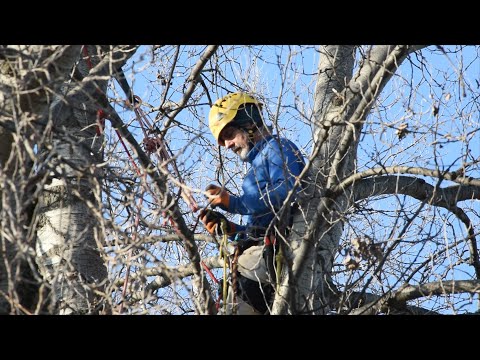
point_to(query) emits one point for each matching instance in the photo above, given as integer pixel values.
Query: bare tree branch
(193, 79)
(356, 299)
(410, 292)
(167, 275)
(167, 201)
(444, 197)
(447, 175)
(414, 187)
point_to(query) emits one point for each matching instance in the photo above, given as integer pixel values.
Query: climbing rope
(235, 279)
(224, 254)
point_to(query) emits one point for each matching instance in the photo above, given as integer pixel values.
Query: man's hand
(218, 196)
(213, 219)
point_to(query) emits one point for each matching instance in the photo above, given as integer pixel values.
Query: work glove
(212, 221)
(218, 197)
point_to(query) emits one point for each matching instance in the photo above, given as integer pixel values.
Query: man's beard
(244, 153)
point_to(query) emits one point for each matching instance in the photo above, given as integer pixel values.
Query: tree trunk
(28, 75)
(67, 242)
(342, 102)
(313, 248)
(6, 248)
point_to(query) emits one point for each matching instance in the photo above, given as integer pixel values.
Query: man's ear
(252, 128)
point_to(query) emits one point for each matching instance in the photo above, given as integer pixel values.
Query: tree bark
(68, 235)
(6, 248)
(342, 101)
(309, 261)
(28, 77)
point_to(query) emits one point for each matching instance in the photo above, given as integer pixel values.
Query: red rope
(217, 303)
(85, 53)
(209, 272)
(152, 144)
(100, 113)
(101, 121)
(128, 153)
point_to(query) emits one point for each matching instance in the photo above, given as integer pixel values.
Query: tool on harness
(223, 252)
(269, 251)
(260, 296)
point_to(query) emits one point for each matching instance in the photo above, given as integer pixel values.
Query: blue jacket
(275, 162)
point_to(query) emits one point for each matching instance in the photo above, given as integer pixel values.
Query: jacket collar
(259, 145)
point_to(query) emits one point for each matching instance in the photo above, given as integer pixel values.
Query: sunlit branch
(167, 275)
(410, 292)
(356, 299)
(447, 175)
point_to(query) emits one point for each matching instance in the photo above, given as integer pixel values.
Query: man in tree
(237, 123)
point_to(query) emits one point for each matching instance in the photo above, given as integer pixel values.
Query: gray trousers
(252, 266)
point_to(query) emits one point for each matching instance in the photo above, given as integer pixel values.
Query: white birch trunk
(67, 251)
(26, 72)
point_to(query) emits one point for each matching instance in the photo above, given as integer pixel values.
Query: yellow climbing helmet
(224, 111)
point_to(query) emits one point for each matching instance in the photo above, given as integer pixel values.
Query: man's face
(236, 140)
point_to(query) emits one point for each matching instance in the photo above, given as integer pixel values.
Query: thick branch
(413, 187)
(335, 69)
(447, 175)
(167, 275)
(173, 237)
(376, 59)
(334, 73)
(356, 299)
(410, 292)
(381, 70)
